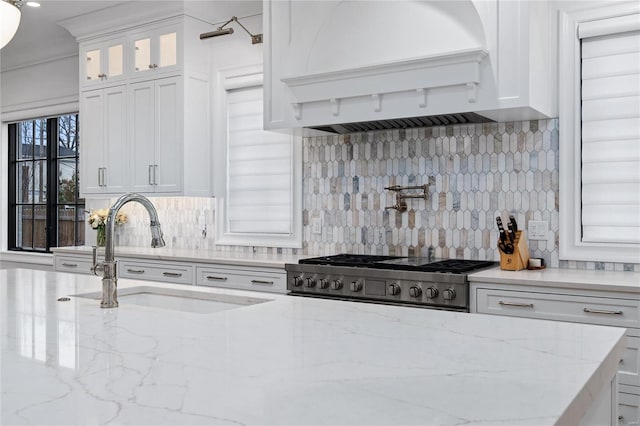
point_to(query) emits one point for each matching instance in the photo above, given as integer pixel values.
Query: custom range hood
(349, 66)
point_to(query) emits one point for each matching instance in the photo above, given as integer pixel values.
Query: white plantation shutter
(259, 169)
(610, 51)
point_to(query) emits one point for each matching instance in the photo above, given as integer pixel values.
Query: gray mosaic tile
(475, 172)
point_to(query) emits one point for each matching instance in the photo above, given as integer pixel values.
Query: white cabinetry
(75, 264)
(103, 62)
(162, 121)
(156, 142)
(104, 141)
(266, 279)
(170, 272)
(242, 278)
(618, 310)
(155, 51)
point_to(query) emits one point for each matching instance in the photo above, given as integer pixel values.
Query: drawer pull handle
(262, 282)
(214, 278)
(519, 305)
(172, 274)
(70, 265)
(600, 311)
(135, 271)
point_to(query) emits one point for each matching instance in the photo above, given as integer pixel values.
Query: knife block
(519, 259)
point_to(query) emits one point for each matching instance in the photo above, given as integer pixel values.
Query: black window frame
(52, 202)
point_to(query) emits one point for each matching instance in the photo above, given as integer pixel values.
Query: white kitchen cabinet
(153, 137)
(103, 157)
(258, 279)
(329, 62)
(156, 51)
(558, 304)
(75, 264)
(628, 409)
(164, 271)
(156, 136)
(218, 274)
(103, 63)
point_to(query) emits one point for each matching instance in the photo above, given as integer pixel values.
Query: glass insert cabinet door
(93, 67)
(104, 62)
(155, 51)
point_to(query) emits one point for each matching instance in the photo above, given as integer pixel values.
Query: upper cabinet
(156, 51)
(158, 137)
(102, 63)
(329, 62)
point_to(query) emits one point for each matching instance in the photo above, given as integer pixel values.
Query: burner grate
(455, 266)
(356, 260)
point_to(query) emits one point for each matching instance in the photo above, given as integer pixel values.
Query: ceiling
(39, 37)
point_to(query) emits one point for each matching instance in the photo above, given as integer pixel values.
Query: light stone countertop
(564, 278)
(196, 256)
(288, 361)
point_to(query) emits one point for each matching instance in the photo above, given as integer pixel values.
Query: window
(259, 183)
(600, 134)
(44, 207)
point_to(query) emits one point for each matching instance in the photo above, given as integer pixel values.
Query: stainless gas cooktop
(410, 281)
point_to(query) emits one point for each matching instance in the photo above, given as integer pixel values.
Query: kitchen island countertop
(290, 360)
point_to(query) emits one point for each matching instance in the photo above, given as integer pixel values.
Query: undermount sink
(177, 300)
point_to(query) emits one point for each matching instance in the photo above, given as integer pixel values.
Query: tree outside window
(45, 208)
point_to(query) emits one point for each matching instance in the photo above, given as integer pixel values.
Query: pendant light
(9, 21)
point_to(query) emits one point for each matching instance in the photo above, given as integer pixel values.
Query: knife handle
(511, 233)
(512, 221)
(503, 234)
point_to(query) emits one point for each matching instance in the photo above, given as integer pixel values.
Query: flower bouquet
(98, 221)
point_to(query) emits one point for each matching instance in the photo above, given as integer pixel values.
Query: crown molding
(120, 17)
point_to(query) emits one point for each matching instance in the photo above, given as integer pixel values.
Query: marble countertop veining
(566, 278)
(288, 361)
(190, 255)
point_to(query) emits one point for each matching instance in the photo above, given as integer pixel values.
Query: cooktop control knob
(356, 286)
(394, 289)
(297, 281)
(415, 291)
(449, 294)
(322, 283)
(336, 285)
(311, 282)
(432, 293)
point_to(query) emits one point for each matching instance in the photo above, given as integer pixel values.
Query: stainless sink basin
(177, 300)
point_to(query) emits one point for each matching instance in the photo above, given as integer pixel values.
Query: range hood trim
(461, 68)
(453, 58)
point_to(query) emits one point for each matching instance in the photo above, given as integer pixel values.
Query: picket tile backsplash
(474, 173)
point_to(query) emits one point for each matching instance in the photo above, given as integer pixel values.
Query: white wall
(45, 88)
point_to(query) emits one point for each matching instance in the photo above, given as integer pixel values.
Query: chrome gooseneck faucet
(108, 267)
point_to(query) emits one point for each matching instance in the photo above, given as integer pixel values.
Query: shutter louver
(259, 164)
(611, 133)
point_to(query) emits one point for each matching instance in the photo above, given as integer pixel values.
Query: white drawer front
(628, 409)
(560, 307)
(629, 369)
(167, 272)
(78, 265)
(244, 280)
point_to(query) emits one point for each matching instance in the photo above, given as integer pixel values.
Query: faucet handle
(97, 267)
